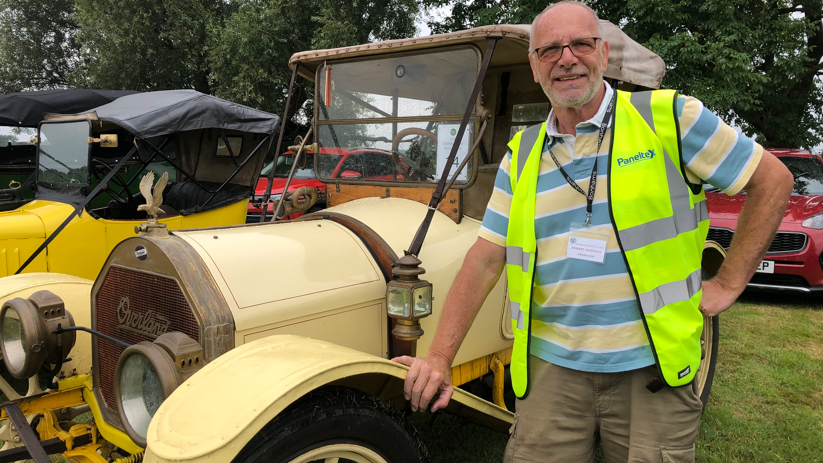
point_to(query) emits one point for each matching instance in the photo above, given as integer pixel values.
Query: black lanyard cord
(604, 125)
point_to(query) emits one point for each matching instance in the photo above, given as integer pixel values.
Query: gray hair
(563, 2)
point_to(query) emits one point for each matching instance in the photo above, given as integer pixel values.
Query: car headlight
(146, 375)
(815, 222)
(27, 336)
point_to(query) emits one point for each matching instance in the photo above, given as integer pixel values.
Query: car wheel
(336, 424)
(709, 341)
(713, 257)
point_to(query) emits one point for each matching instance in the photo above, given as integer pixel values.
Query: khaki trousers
(566, 410)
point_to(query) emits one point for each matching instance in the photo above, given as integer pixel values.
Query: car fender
(214, 414)
(75, 293)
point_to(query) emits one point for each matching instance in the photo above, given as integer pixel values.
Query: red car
(794, 261)
(334, 163)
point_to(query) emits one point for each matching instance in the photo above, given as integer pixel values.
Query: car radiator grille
(145, 292)
(783, 242)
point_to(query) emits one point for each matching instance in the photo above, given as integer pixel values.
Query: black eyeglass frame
(536, 51)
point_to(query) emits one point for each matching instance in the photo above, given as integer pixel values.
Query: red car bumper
(795, 251)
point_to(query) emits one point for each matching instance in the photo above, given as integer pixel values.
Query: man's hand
(716, 297)
(426, 376)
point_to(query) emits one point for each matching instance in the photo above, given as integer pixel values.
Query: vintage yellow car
(20, 114)
(271, 342)
(211, 148)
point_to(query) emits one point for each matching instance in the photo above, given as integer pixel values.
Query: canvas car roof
(628, 60)
(26, 109)
(154, 114)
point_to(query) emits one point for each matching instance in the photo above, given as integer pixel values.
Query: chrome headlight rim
(168, 377)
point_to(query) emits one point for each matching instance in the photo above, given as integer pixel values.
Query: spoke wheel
(336, 425)
(340, 453)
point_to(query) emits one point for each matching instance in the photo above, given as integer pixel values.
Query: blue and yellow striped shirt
(584, 314)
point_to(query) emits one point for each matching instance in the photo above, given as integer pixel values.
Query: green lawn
(766, 404)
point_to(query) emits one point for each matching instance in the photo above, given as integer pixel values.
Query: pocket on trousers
(677, 454)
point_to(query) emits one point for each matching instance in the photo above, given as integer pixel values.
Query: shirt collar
(551, 122)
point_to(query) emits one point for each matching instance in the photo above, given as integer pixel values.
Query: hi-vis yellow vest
(661, 222)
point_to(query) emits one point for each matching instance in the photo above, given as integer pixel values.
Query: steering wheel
(409, 172)
(123, 197)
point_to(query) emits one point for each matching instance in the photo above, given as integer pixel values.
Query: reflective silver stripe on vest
(517, 314)
(642, 102)
(527, 140)
(515, 255)
(665, 228)
(670, 293)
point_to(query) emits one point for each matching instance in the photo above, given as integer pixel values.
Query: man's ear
(605, 63)
(535, 67)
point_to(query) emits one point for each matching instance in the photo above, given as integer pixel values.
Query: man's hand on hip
(716, 298)
(426, 377)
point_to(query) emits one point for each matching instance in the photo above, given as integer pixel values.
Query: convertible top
(26, 109)
(628, 60)
(154, 114)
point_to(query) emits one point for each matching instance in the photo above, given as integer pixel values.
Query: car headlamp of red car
(814, 222)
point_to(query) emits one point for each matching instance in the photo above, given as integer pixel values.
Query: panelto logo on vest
(642, 156)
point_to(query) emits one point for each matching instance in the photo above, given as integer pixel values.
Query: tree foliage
(757, 63)
(248, 55)
(38, 47)
(148, 44)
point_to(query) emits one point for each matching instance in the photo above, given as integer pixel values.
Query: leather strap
(439, 191)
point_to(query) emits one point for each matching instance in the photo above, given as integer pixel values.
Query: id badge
(586, 243)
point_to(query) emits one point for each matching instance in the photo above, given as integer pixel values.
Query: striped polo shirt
(584, 314)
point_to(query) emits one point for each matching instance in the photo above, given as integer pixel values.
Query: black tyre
(336, 423)
(709, 341)
(713, 257)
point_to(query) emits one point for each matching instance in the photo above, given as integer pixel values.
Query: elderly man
(599, 219)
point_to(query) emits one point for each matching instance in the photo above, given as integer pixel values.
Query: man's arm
(767, 194)
(481, 269)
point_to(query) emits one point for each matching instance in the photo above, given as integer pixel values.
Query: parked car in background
(794, 261)
(88, 165)
(20, 115)
(335, 163)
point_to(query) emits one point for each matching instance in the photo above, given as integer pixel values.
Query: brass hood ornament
(153, 202)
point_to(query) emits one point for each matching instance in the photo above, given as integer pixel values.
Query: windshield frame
(472, 129)
(88, 150)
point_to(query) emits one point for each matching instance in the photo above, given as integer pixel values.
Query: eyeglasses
(578, 47)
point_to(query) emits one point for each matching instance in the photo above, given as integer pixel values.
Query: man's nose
(567, 58)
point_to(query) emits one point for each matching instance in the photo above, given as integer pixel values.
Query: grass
(766, 404)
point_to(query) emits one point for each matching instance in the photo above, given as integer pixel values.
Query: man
(590, 266)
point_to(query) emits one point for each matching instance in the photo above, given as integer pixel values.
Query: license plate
(766, 266)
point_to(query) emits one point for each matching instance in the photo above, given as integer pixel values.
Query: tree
(38, 47)
(148, 44)
(757, 63)
(249, 53)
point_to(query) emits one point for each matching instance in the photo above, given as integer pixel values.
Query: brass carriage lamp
(408, 298)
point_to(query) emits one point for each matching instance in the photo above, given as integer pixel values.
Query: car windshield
(64, 153)
(305, 170)
(400, 113)
(807, 173)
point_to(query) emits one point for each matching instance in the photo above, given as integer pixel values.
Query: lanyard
(593, 183)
